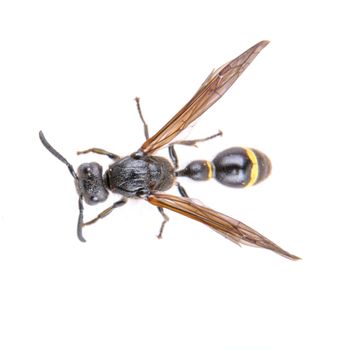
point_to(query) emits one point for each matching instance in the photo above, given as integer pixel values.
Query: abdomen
(234, 167)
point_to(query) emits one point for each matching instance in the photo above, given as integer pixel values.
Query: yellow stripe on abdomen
(254, 172)
(210, 170)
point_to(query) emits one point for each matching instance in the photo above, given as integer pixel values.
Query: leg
(106, 211)
(182, 191)
(99, 151)
(173, 156)
(194, 142)
(172, 152)
(165, 220)
(165, 217)
(145, 126)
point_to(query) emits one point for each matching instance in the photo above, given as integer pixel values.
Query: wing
(217, 83)
(230, 228)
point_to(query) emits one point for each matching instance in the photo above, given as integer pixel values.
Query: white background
(72, 69)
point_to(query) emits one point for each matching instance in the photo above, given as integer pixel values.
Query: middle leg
(174, 158)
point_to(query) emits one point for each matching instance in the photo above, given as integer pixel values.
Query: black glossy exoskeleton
(235, 167)
(144, 175)
(138, 175)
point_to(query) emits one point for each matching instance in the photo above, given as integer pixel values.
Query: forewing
(230, 228)
(214, 87)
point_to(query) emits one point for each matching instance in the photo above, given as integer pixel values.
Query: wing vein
(212, 89)
(228, 227)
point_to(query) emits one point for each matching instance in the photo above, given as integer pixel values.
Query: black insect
(144, 175)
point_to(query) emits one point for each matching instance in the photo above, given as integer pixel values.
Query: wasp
(144, 175)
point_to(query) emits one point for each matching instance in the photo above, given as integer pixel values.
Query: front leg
(107, 211)
(99, 151)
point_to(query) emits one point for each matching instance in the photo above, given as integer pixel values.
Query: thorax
(131, 176)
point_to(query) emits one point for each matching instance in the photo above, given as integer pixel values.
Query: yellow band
(210, 170)
(254, 173)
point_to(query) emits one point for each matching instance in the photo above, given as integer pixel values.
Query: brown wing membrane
(230, 228)
(217, 83)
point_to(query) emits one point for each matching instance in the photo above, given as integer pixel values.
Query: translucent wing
(217, 83)
(230, 228)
